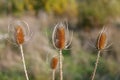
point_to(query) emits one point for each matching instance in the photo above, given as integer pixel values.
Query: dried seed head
(19, 32)
(60, 36)
(19, 35)
(101, 40)
(54, 63)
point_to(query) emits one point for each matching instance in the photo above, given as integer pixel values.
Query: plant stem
(53, 74)
(60, 65)
(23, 60)
(97, 60)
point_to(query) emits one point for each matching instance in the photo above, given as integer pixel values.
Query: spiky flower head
(19, 32)
(102, 39)
(60, 36)
(54, 62)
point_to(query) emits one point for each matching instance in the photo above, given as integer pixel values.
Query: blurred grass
(82, 68)
(11, 75)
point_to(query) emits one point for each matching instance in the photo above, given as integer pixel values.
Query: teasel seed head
(19, 32)
(60, 36)
(54, 63)
(102, 40)
(19, 35)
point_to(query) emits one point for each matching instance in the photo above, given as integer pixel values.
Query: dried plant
(19, 33)
(101, 44)
(53, 65)
(60, 38)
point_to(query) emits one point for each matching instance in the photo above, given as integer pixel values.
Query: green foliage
(81, 67)
(58, 7)
(61, 7)
(96, 12)
(89, 13)
(11, 75)
(3, 7)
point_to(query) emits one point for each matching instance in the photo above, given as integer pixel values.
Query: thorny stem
(53, 74)
(97, 60)
(23, 60)
(60, 65)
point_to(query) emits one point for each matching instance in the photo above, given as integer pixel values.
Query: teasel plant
(19, 33)
(53, 65)
(101, 45)
(61, 40)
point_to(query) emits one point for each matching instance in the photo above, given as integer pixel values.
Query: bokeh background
(85, 18)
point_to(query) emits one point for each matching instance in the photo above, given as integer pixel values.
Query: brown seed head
(19, 35)
(60, 38)
(54, 62)
(101, 41)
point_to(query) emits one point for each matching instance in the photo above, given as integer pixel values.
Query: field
(79, 58)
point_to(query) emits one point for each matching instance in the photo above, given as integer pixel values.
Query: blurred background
(85, 18)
